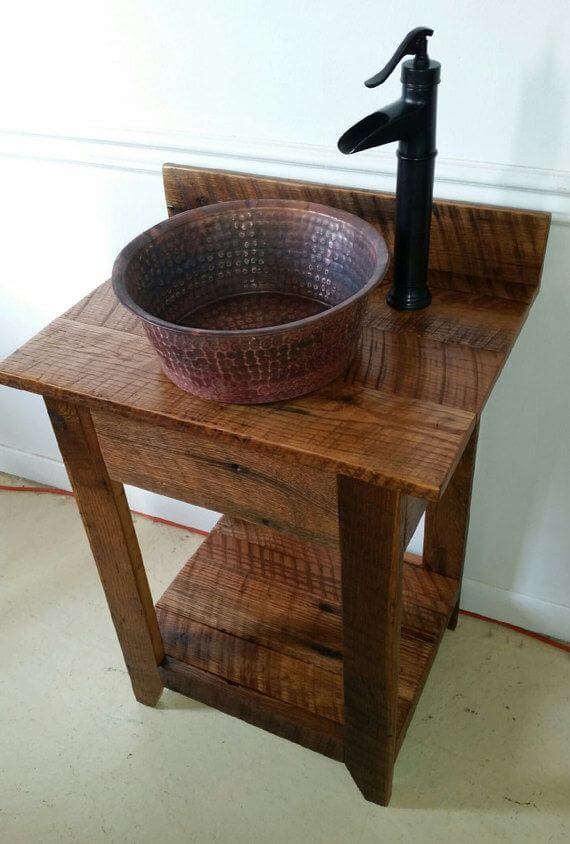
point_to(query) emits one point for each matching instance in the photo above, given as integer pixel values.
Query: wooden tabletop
(403, 412)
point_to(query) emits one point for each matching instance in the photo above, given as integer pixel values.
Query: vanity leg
(372, 540)
(447, 523)
(109, 527)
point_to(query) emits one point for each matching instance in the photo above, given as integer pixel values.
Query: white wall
(97, 96)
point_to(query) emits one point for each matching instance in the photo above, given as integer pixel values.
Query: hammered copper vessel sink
(252, 301)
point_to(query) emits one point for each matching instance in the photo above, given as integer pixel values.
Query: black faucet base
(408, 300)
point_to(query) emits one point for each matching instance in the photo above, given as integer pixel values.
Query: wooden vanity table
(300, 613)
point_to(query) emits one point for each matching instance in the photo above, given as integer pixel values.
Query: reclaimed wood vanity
(301, 612)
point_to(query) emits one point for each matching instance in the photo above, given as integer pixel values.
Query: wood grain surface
(262, 611)
(372, 522)
(109, 527)
(238, 481)
(222, 476)
(447, 523)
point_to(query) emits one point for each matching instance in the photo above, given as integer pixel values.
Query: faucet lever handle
(414, 44)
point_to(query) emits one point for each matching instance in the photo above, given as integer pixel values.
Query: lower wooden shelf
(252, 625)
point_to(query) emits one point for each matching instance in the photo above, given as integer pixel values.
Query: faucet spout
(397, 121)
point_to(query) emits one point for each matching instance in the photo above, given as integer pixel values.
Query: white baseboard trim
(33, 467)
(45, 470)
(146, 151)
(512, 607)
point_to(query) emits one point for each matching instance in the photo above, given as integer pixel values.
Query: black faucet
(411, 121)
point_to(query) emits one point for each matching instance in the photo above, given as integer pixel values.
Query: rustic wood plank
(306, 634)
(480, 322)
(267, 671)
(474, 240)
(294, 682)
(220, 475)
(298, 725)
(414, 365)
(447, 523)
(101, 307)
(254, 609)
(206, 472)
(376, 435)
(481, 286)
(286, 597)
(111, 534)
(307, 566)
(372, 524)
(260, 609)
(270, 555)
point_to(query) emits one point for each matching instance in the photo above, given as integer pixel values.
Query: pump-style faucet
(411, 121)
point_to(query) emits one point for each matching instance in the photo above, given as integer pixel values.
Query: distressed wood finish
(237, 481)
(262, 611)
(322, 638)
(372, 549)
(216, 474)
(420, 367)
(265, 578)
(447, 523)
(111, 534)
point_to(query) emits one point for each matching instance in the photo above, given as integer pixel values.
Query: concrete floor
(487, 757)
